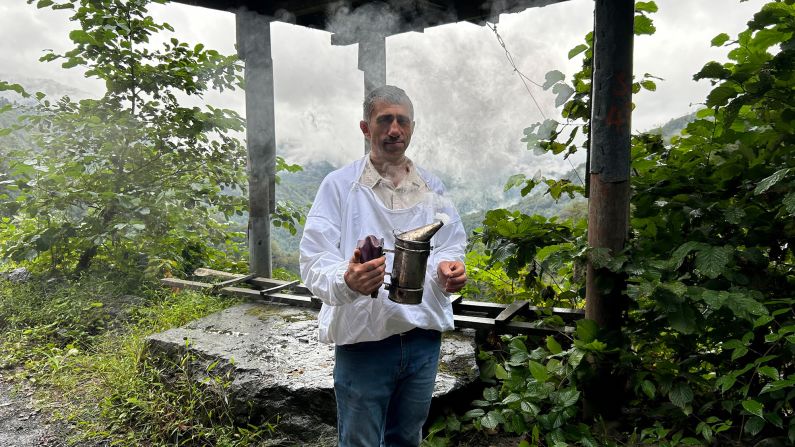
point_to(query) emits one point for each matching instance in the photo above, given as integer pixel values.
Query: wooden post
(372, 61)
(608, 203)
(254, 47)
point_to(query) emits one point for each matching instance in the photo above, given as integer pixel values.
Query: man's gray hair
(388, 94)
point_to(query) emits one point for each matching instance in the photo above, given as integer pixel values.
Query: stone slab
(278, 370)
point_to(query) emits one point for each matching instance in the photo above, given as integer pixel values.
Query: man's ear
(365, 128)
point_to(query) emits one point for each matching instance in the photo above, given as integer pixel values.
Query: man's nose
(394, 128)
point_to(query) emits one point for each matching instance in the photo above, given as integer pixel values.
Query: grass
(85, 352)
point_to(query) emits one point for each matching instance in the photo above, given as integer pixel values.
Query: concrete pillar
(372, 61)
(254, 47)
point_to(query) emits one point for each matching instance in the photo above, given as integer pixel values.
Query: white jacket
(345, 211)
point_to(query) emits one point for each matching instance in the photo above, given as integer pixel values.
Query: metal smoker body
(412, 249)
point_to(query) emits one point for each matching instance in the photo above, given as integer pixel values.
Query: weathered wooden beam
(254, 47)
(202, 272)
(608, 202)
(252, 294)
(279, 287)
(258, 281)
(512, 327)
(492, 310)
(611, 112)
(462, 320)
(233, 281)
(511, 311)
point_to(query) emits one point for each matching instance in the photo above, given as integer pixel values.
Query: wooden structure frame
(478, 315)
(609, 154)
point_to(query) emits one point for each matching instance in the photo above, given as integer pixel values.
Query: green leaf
(777, 385)
(577, 50)
(474, 413)
(491, 394)
(644, 25)
(80, 37)
(553, 346)
(676, 287)
(768, 371)
(789, 203)
(720, 95)
(725, 382)
(683, 319)
(511, 398)
(492, 419)
(753, 407)
(587, 330)
(538, 371)
(514, 181)
(734, 215)
(680, 253)
(648, 388)
(649, 85)
(712, 70)
(552, 78)
(681, 395)
(739, 352)
(754, 425)
(44, 3)
(745, 306)
(711, 261)
(4, 86)
(501, 373)
(719, 40)
(563, 92)
(645, 6)
(567, 397)
(529, 408)
(769, 182)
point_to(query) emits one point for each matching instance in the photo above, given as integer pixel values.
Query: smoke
(440, 205)
(442, 217)
(386, 18)
(371, 18)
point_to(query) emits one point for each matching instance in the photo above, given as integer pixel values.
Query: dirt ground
(22, 424)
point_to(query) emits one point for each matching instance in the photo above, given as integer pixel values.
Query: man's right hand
(367, 277)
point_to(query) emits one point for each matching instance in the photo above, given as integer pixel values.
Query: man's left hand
(452, 275)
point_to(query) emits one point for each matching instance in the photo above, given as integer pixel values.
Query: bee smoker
(412, 249)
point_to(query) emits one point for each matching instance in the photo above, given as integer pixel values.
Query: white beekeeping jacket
(345, 211)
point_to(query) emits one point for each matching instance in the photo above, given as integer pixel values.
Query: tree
(133, 176)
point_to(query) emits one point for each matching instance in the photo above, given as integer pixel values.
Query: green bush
(707, 352)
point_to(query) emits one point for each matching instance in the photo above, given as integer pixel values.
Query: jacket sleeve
(450, 243)
(322, 262)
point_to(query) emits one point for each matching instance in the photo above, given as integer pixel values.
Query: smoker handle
(370, 248)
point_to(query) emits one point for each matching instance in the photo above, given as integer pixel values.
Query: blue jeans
(384, 389)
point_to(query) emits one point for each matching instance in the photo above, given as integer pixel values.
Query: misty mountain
(50, 87)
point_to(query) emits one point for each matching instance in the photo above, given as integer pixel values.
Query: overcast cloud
(471, 107)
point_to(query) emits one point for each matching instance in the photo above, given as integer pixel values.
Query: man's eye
(403, 121)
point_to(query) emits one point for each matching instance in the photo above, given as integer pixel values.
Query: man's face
(389, 129)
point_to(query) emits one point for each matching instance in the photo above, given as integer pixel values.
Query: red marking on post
(619, 113)
(616, 116)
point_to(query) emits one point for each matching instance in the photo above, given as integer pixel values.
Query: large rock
(18, 275)
(279, 371)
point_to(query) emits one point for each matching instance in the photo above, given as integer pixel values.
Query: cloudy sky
(471, 107)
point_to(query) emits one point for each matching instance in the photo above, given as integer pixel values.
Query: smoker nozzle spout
(421, 234)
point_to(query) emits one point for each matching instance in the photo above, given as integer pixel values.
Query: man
(386, 353)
